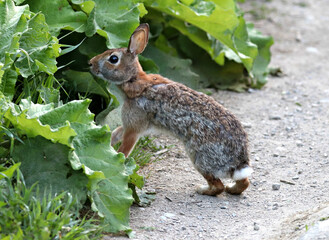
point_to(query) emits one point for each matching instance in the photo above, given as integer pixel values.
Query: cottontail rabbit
(214, 139)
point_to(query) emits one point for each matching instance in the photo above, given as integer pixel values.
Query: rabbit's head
(121, 64)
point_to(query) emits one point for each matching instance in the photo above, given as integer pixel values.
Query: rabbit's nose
(90, 63)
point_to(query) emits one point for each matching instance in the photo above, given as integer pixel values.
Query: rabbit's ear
(139, 39)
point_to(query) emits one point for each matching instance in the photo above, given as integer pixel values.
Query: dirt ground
(288, 126)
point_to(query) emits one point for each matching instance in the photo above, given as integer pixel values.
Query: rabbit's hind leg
(238, 187)
(215, 186)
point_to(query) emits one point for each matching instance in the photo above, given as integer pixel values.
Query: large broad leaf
(60, 15)
(106, 170)
(114, 20)
(33, 127)
(263, 58)
(86, 83)
(47, 163)
(173, 67)
(230, 76)
(40, 49)
(8, 172)
(12, 23)
(7, 82)
(26, 47)
(217, 18)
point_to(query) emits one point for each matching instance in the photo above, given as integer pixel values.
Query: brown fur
(215, 186)
(238, 187)
(129, 139)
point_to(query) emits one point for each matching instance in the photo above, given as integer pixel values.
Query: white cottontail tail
(214, 139)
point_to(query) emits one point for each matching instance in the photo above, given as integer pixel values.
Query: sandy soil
(288, 126)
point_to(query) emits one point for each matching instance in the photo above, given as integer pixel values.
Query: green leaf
(93, 46)
(28, 122)
(172, 67)
(7, 83)
(113, 20)
(219, 19)
(47, 163)
(60, 15)
(148, 64)
(263, 58)
(73, 112)
(12, 23)
(86, 83)
(134, 178)
(106, 170)
(49, 95)
(10, 171)
(85, 6)
(212, 46)
(40, 48)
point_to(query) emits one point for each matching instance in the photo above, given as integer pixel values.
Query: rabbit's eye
(113, 59)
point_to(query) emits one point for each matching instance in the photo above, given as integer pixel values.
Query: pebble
(276, 186)
(246, 125)
(275, 206)
(295, 177)
(299, 143)
(223, 207)
(274, 117)
(256, 227)
(312, 50)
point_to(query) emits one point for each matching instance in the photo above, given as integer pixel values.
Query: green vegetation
(24, 216)
(50, 104)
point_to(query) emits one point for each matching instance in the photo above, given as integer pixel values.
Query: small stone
(312, 50)
(183, 228)
(223, 207)
(256, 227)
(275, 155)
(275, 206)
(276, 186)
(246, 125)
(169, 215)
(299, 143)
(295, 177)
(274, 117)
(325, 155)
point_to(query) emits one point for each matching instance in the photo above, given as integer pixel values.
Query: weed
(26, 215)
(145, 151)
(324, 218)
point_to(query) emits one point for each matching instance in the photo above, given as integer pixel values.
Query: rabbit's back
(213, 137)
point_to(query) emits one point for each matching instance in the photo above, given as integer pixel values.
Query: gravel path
(288, 126)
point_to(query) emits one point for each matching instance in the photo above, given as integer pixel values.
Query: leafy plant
(27, 214)
(70, 153)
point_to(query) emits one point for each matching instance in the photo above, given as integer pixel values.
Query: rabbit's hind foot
(215, 187)
(238, 187)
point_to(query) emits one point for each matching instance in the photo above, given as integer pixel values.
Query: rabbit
(213, 138)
